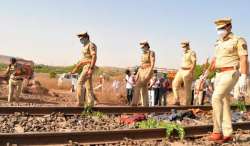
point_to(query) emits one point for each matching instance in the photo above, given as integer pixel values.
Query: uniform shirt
(228, 52)
(146, 57)
(88, 51)
(188, 59)
(16, 70)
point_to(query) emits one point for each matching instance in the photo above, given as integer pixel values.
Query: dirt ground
(64, 97)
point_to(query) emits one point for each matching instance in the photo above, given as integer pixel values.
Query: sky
(45, 30)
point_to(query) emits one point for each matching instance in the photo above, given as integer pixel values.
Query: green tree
(199, 69)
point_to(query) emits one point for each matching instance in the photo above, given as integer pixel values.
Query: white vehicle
(66, 80)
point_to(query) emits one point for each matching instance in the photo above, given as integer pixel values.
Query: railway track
(92, 137)
(103, 109)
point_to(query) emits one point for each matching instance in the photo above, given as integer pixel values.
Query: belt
(185, 68)
(222, 69)
(145, 66)
(86, 62)
(82, 64)
(18, 79)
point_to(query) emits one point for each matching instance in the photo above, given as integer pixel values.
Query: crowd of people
(159, 88)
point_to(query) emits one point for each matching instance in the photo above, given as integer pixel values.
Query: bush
(56, 69)
(170, 127)
(3, 67)
(199, 70)
(52, 74)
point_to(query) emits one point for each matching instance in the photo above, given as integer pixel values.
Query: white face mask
(222, 33)
(185, 49)
(144, 50)
(82, 41)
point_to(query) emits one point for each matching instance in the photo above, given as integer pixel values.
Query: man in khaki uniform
(16, 75)
(144, 75)
(230, 55)
(185, 74)
(88, 64)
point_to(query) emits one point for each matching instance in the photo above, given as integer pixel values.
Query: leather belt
(143, 66)
(86, 62)
(19, 79)
(223, 69)
(185, 68)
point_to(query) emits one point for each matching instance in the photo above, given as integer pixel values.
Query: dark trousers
(203, 97)
(129, 95)
(163, 97)
(156, 95)
(192, 98)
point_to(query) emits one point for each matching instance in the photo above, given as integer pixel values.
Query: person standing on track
(129, 85)
(230, 55)
(144, 75)
(199, 92)
(185, 74)
(154, 88)
(16, 74)
(164, 83)
(87, 63)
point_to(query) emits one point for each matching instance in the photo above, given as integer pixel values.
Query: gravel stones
(57, 122)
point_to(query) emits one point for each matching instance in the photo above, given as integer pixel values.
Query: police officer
(185, 74)
(144, 75)
(16, 75)
(230, 55)
(87, 63)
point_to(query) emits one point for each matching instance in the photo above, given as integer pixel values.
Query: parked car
(66, 80)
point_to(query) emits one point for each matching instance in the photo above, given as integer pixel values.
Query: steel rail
(103, 136)
(104, 109)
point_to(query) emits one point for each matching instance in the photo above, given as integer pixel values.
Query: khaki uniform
(15, 82)
(227, 54)
(145, 73)
(183, 76)
(88, 51)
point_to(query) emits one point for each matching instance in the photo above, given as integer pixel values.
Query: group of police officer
(230, 62)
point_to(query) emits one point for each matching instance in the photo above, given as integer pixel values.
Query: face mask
(185, 49)
(222, 33)
(82, 41)
(143, 50)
